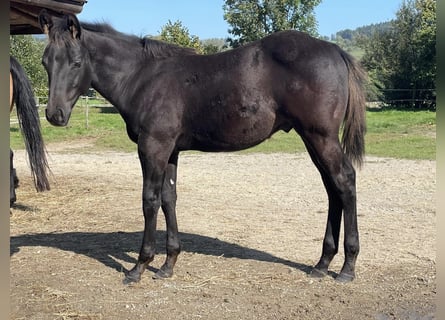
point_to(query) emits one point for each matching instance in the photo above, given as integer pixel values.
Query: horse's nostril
(59, 115)
(56, 118)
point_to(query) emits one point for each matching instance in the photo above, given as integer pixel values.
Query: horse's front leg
(13, 180)
(153, 155)
(168, 205)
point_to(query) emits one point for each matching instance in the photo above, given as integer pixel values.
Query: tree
(29, 51)
(402, 59)
(213, 45)
(253, 19)
(175, 32)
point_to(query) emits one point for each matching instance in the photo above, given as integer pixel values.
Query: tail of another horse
(29, 124)
(354, 125)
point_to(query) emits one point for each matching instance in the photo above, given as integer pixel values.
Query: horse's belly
(239, 129)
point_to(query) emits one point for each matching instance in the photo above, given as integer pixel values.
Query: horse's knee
(150, 200)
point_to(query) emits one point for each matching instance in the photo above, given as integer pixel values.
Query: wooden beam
(24, 16)
(54, 5)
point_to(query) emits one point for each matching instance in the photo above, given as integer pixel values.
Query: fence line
(408, 97)
(83, 101)
(42, 101)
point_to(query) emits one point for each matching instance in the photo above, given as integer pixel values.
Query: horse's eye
(77, 64)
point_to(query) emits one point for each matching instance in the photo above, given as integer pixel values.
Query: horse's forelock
(59, 33)
(61, 39)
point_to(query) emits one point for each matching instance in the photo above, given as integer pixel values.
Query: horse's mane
(152, 48)
(161, 49)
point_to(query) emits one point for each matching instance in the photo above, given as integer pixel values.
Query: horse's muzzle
(57, 118)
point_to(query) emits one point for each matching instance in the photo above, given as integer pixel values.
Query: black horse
(173, 99)
(29, 123)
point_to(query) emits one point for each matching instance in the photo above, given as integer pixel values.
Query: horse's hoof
(131, 278)
(344, 278)
(317, 273)
(161, 274)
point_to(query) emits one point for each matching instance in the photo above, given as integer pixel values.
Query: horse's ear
(73, 25)
(45, 21)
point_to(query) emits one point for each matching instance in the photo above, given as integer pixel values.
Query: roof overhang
(23, 14)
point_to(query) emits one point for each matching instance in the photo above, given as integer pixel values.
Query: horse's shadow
(22, 207)
(108, 248)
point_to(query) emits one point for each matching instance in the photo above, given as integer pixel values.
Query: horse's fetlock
(174, 248)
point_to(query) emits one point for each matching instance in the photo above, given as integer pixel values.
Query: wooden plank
(23, 13)
(65, 6)
(22, 16)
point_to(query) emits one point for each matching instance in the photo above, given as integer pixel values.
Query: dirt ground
(251, 228)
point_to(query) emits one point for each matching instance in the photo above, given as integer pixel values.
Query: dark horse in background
(173, 99)
(29, 123)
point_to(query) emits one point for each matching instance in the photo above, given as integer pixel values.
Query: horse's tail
(29, 124)
(354, 124)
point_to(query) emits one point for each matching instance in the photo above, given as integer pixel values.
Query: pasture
(251, 226)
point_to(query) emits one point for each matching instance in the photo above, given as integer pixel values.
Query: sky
(204, 18)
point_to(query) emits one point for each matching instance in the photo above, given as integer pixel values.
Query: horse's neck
(111, 72)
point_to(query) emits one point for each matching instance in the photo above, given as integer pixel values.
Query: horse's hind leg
(338, 177)
(13, 180)
(168, 205)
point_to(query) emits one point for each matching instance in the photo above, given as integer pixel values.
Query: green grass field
(391, 133)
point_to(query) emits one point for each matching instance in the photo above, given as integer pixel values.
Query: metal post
(86, 111)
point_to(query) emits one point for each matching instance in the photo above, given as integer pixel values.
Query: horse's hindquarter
(312, 78)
